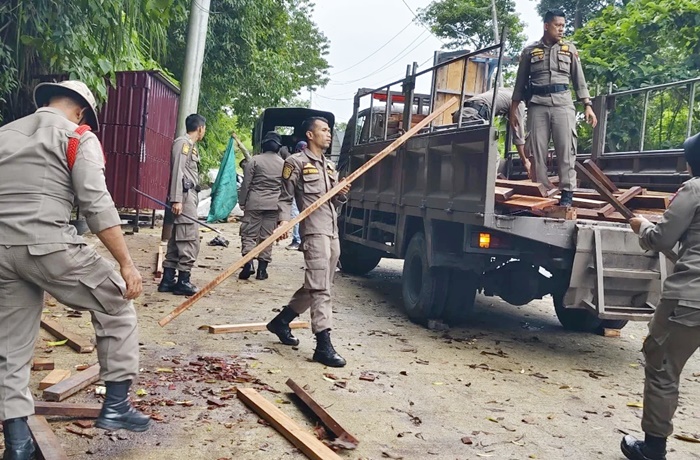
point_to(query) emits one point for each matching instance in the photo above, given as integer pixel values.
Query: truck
(432, 204)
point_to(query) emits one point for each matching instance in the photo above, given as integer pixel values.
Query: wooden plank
(624, 198)
(503, 194)
(76, 342)
(54, 377)
(72, 385)
(649, 201)
(611, 332)
(48, 445)
(561, 212)
(341, 433)
(252, 327)
(592, 214)
(67, 409)
(588, 203)
(604, 191)
(596, 172)
(42, 364)
(523, 187)
(159, 262)
(304, 441)
(530, 202)
(283, 229)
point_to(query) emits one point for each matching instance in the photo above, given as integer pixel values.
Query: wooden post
(305, 213)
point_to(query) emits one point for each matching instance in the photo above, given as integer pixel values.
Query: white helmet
(44, 91)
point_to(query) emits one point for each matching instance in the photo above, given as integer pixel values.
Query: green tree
(470, 23)
(578, 12)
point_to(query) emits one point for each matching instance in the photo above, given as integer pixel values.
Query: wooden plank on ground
(75, 341)
(72, 385)
(523, 187)
(67, 409)
(596, 172)
(42, 364)
(48, 445)
(348, 440)
(252, 327)
(54, 377)
(303, 440)
(503, 194)
(611, 332)
(624, 198)
(159, 262)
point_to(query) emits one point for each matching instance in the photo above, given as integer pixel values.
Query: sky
(372, 41)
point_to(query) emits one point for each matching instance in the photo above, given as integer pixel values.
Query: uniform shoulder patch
(185, 148)
(287, 171)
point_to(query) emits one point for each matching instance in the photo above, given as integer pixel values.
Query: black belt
(546, 90)
(483, 110)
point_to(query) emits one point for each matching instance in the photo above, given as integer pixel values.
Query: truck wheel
(575, 319)
(461, 294)
(356, 259)
(423, 289)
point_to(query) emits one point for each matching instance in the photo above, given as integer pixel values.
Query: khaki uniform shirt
(262, 183)
(306, 178)
(542, 65)
(184, 168)
(680, 224)
(37, 190)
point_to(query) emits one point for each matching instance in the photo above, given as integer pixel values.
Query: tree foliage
(578, 12)
(470, 22)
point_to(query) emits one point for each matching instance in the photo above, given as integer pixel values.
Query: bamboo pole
(305, 213)
(246, 153)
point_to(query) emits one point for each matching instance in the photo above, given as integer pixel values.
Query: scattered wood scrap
(523, 187)
(73, 384)
(54, 377)
(158, 272)
(76, 342)
(347, 441)
(626, 196)
(67, 409)
(303, 440)
(48, 445)
(252, 327)
(42, 364)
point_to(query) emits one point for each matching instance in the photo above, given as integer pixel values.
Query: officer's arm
(674, 223)
(341, 198)
(577, 77)
(522, 79)
(179, 154)
(290, 176)
(248, 171)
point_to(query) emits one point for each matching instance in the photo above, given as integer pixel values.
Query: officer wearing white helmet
(48, 161)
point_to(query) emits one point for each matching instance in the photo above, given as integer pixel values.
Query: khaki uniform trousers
(77, 277)
(258, 227)
(674, 335)
(183, 245)
(321, 254)
(559, 124)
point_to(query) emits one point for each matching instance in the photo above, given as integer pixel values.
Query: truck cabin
(286, 121)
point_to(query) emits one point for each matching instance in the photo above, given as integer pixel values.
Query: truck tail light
(486, 240)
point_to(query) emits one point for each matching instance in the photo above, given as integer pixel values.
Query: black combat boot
(652, 448)
(19, 444)
(184, 287)
(262, 270)
(280, 326)
(325, 353)
(247, 271)
(118, 413)
(567, 199)
(168, 283)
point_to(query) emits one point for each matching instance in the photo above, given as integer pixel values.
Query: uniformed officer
(306, 177)
(478, 108)
(45, 166)
(183, 245)
(259, 198)
(544, 72)
(674, 331)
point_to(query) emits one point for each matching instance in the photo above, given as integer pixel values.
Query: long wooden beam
(72, 385)
(47, 443)
(67, 409)
(303, 440)
(252, 327)
(75, 341)
(306, 212)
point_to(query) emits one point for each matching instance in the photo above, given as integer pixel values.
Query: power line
(376, 51)
(419, 21)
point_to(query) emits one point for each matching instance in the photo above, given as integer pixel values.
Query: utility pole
(194, 59)
(495, 21)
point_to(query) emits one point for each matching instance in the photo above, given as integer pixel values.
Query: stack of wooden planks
(533, 198)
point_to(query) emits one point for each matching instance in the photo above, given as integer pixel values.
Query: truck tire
(461, 294)
(575, 319)
(356, 259)
(423, 288)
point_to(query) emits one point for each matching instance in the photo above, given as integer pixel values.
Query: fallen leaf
(57, 344)
(438, 383)
(491, 419)
(467, 440)
(330, 377)
(403, 373)
(529, 420)
(422, 361)
(274, 371)
(635, 404)
(539, 375)
(685, 438)
(141, 392)
(166, 370)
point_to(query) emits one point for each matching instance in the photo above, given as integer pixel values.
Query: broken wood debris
(304, 441)
(76, 342)
(72, 385)
(54, 377)
(42, 364)
(252, 327)
(47, 443)
(348, 440)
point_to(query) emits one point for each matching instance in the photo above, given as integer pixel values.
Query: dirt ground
(512, 385)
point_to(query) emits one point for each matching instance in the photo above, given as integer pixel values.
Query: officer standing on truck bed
(674, 331)
(544, 72)
(306, 177)
(183, 246)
